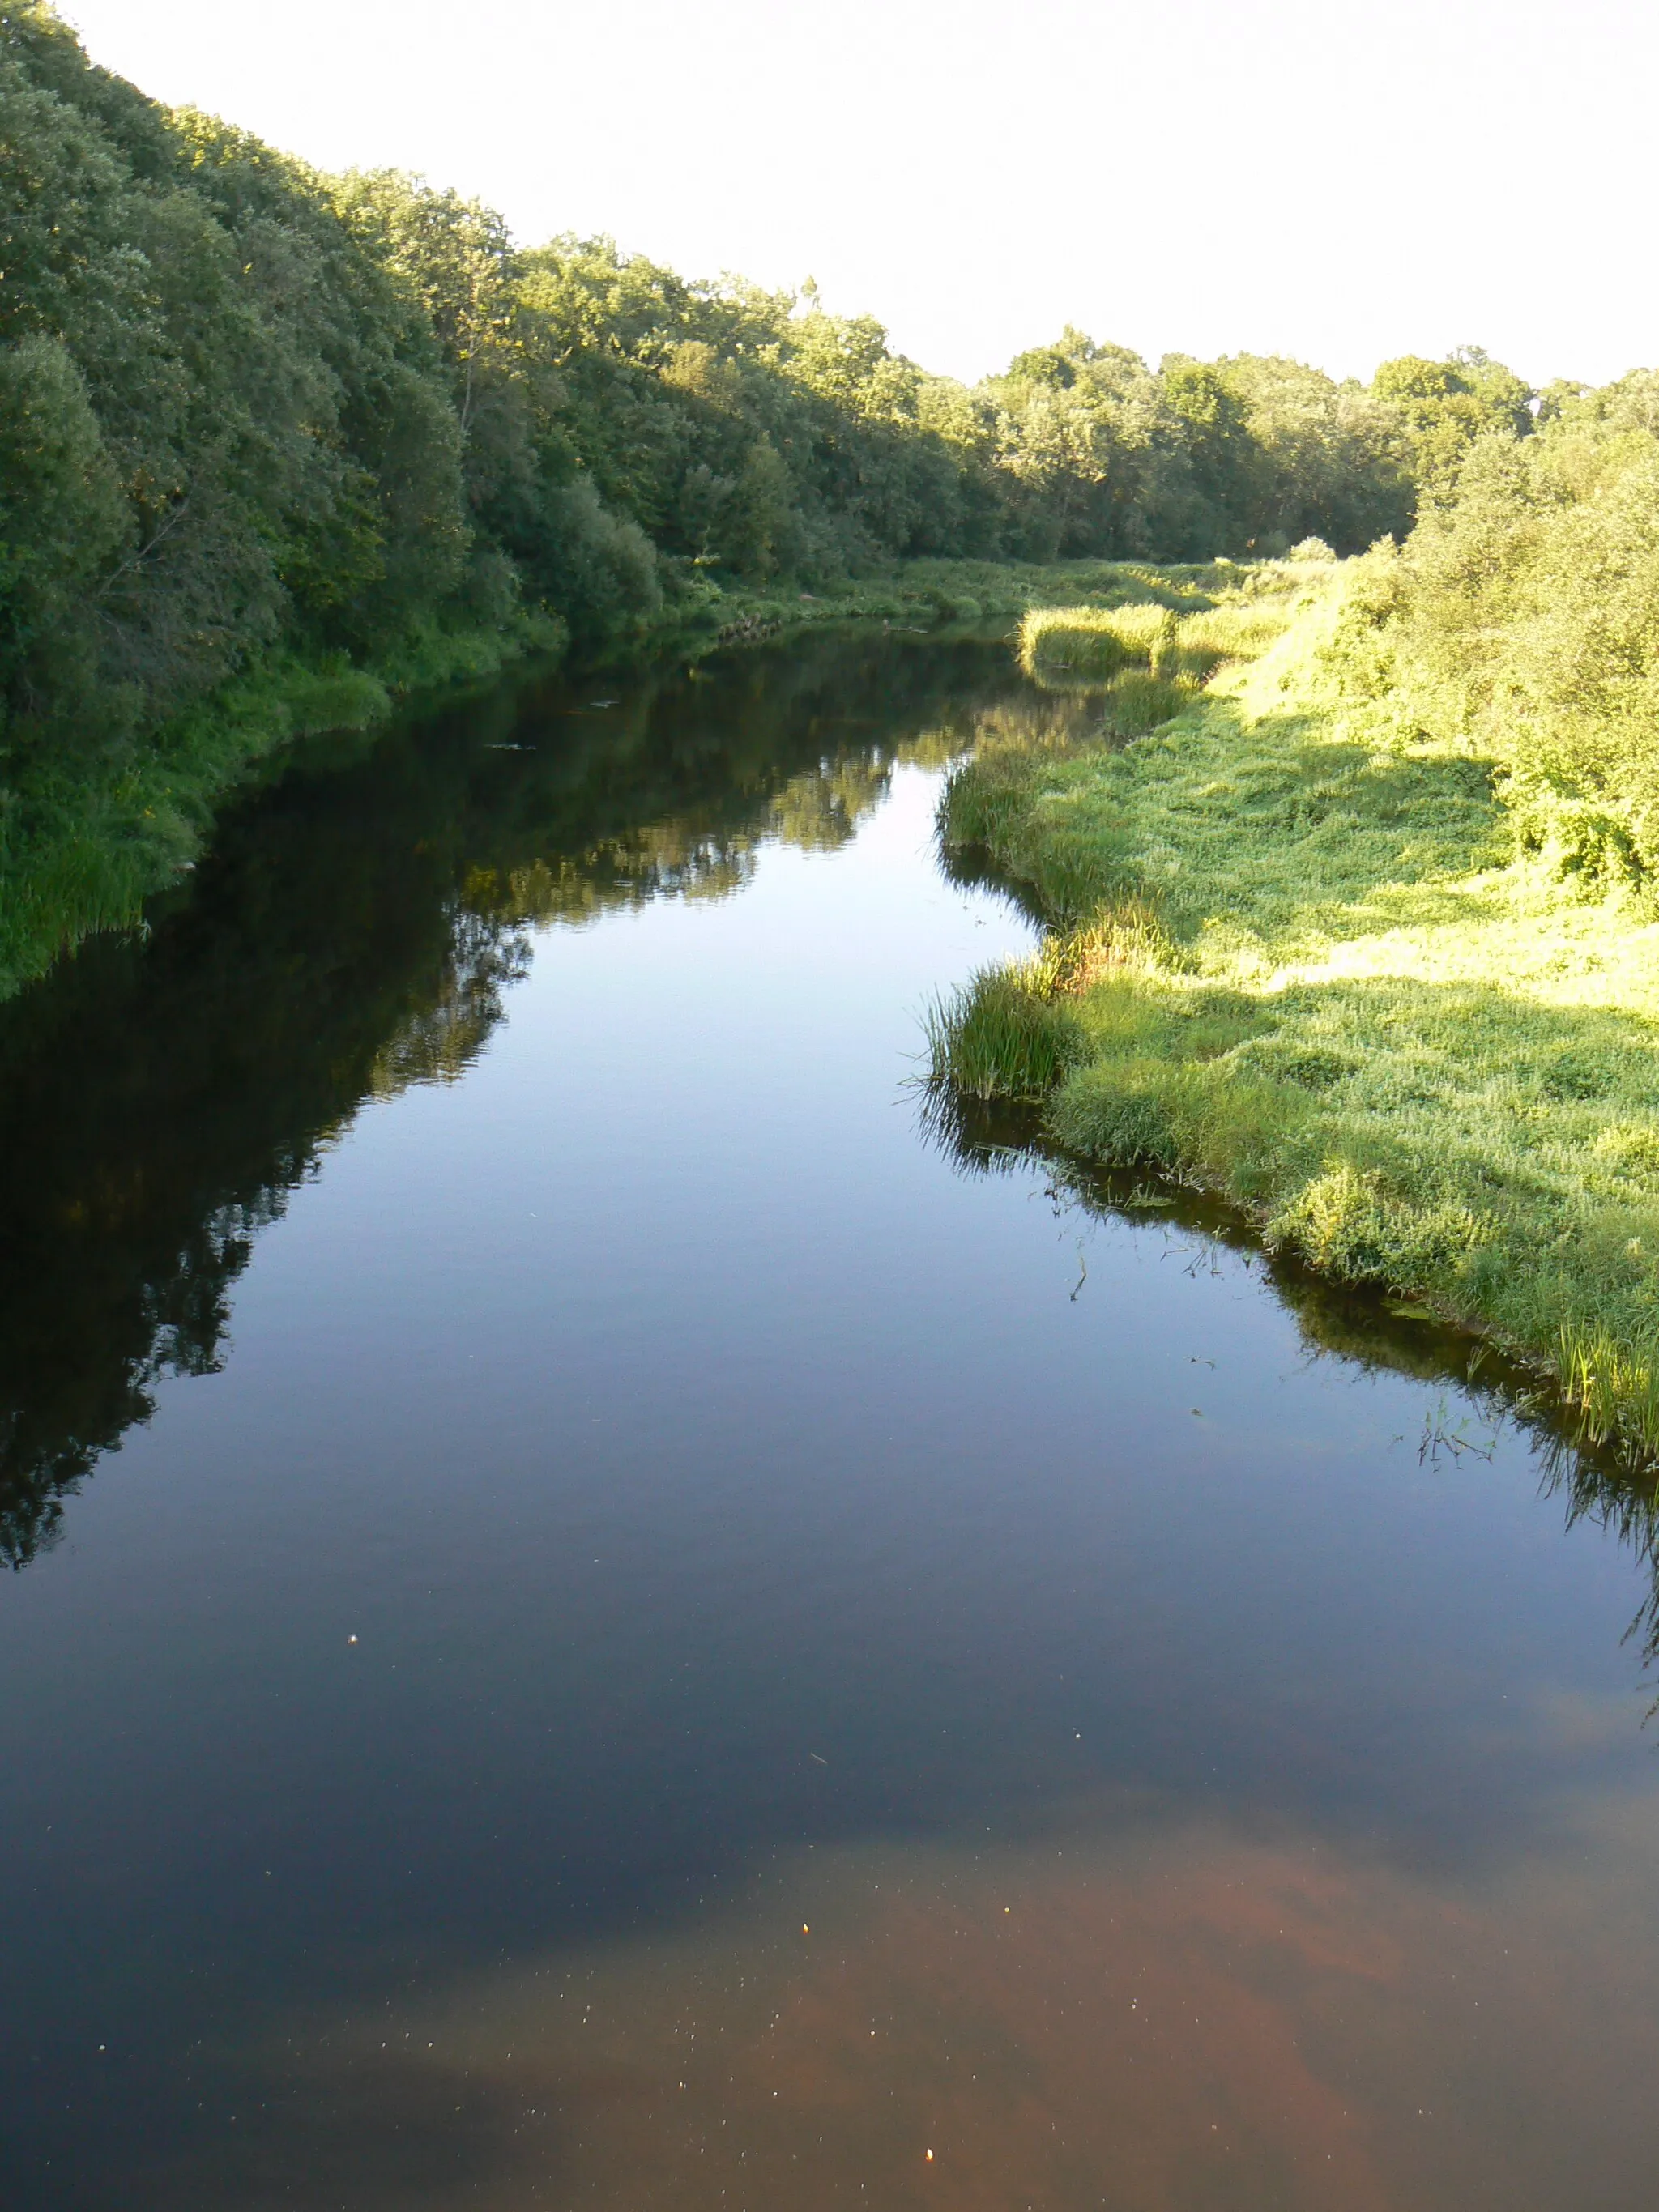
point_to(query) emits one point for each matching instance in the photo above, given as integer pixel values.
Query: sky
(1340, 180)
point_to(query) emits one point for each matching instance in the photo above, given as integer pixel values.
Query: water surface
(602, 1619)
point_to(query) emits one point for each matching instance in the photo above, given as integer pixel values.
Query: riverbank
(1329, 982)
(85, 839)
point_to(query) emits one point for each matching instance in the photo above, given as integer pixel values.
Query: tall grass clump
(1612, 1385)
(1087, 646)
(1000, 1038)
(1139, 700)
(1089, 641)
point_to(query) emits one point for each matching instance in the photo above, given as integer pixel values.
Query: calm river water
(603, 1620)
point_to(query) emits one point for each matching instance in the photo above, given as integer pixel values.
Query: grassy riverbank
(1328, 978)
(85, 839)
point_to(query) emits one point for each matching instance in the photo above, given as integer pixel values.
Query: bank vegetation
(277, 447)
(1364, 935)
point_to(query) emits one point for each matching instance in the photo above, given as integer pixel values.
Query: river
(609, 1613)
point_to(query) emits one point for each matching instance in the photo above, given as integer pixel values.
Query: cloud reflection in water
(1120, 2012)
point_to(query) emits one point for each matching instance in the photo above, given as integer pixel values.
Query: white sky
(1338, 180)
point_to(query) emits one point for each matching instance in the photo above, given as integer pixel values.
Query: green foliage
(335, 411)
(1521, 623)
(62, 518)
(254, 419)
(248, 400)
(1246, 454)
(1444, 406)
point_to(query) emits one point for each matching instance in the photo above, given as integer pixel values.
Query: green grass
(1003, 1039)
(922, 593)
(1092, 641)
(1086, 647)
(1327, 981)
(84, 842)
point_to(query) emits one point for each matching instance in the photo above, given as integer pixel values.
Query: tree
(1444, 406)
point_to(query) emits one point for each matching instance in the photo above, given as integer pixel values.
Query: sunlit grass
(1095, 641)
(1613, 1385)
(1344, 998)
(1101, 645)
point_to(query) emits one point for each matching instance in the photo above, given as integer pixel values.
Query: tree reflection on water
(355, 931)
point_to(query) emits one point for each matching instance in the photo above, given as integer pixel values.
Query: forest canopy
(256, 415)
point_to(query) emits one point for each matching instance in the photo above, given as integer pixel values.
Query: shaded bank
(1361, 1323)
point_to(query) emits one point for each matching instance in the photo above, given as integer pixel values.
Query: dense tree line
(249, 415)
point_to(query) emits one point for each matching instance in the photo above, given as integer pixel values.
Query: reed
(1613, 1384)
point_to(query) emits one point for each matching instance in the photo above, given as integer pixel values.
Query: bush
(1521, 623)
(601, 571)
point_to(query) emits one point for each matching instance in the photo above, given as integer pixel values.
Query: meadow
(1321, 962)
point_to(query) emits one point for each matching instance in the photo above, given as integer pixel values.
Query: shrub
(1522, 623)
